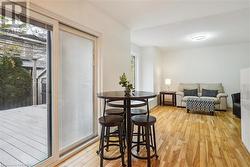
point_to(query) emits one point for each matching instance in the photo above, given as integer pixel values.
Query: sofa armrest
(222, 95)
(179, 97)
(223, 101)
(179, 93)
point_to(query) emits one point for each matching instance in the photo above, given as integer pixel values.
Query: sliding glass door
(48, 83)
(76, 89)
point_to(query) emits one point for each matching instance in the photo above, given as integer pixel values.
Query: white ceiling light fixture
(199, 37)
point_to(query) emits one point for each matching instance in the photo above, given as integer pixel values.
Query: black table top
(121, 95)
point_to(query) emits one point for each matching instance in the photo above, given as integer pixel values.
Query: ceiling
(167, 23)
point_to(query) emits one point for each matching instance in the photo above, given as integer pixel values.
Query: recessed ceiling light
(199, 37)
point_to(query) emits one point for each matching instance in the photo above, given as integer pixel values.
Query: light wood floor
(184, 140)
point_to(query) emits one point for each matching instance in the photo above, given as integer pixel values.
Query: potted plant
(126, 84)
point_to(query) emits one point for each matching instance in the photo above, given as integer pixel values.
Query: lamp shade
(168, 81)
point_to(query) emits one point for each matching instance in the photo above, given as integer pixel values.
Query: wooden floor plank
(185, 139)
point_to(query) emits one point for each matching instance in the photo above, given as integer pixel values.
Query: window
(133, 70)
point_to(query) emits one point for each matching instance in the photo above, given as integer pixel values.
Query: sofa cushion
(217, 101)
(209, 93)
(190, 92)
(212, 86)
(184, 99)
(183, 86)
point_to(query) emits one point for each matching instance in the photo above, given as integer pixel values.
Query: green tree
(15, 81)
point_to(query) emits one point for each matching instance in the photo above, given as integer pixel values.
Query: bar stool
(139, 111)
(119, 109)
(135, 110)
(146, 122)
(107, 122)
(114, 111)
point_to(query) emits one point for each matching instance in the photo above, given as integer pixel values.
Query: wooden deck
(184, 140)
(23, 136)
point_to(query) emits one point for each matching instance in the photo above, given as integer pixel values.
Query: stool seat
(114, 111)
(111, 120)
(138, 112)
(143, 120)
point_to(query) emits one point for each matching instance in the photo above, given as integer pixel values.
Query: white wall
(207, 65)
(245, 107)
(149, 69)
(157, 70)
(115, 44)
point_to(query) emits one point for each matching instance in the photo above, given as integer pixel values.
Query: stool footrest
(141, 157)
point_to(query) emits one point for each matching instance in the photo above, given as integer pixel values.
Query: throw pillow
(190, 92)
(209, 93)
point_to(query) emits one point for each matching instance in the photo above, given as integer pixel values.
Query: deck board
(25, 131)
(23, 136)
(26, 147)
(7, 160)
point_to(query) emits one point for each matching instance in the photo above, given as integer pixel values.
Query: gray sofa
(220, 100)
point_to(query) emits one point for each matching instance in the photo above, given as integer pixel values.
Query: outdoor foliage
(15, 81)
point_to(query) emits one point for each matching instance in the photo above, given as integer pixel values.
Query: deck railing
(15, 102)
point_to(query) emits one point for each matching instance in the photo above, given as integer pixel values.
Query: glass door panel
(25, 124)
(76, 88)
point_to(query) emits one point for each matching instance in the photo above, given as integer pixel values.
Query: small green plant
(124, 82)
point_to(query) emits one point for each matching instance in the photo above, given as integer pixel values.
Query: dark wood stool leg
(132, 130)
(121, 145)
(155, 146)
(143, 134)
(124, 137)
(138, 138)
(125, 119)
(148, 146)
(100, 144)
(102, 148)
(151, 135)
(107, 137)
